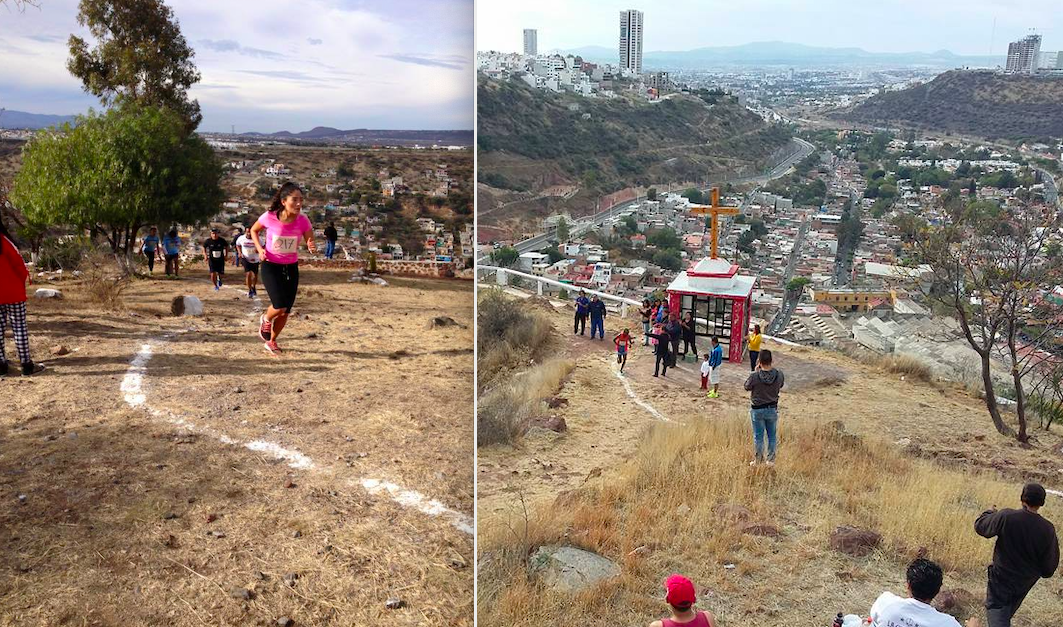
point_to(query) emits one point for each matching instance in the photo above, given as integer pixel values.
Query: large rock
(43, 292)
(186, 306)
(569, 569)
(957, 602)
(854, 541)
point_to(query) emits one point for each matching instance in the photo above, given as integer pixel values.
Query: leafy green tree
(562, 231)
(631, 224)
(554, 254)
(664, 238)
(651, 194)
(694, 195)
(130, 167)
(797, 284)
(505, 257)
(140, 56)
(668, 259)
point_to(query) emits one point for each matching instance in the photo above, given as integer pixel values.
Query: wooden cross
(715, 210)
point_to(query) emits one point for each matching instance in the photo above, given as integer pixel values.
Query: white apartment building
(531, 42)
(631, 41)
(1024, 54)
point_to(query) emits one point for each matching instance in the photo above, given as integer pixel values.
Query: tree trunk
(991, 399)
(1016, 377)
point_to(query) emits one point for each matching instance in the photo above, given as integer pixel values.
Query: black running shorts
(216, 265)
(250, 266)
(281, 281)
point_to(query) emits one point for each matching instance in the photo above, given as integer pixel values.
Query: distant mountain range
(21, 119)
(778, 53)
(370, 136)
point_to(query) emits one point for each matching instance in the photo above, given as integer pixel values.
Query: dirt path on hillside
(606, 424)
(243, 487)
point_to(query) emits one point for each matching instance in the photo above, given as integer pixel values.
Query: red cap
(680, 591)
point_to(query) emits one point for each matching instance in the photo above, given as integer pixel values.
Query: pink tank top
(700, 620)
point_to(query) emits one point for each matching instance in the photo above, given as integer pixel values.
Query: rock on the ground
(854, 541)
(284, 621)
(761, 529)
(242, 594)
(553, 423)
(186, 306)
(394, 603)
(569, 569)
(44, 292)
(732, 512)
(444, 321)
(957, 602)
(59, 350)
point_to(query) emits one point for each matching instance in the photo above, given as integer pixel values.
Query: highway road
(790, 301)
(542, 241)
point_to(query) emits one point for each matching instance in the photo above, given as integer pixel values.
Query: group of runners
(1026, 550)
(268, 250)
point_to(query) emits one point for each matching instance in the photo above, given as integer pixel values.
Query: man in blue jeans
(763, 386)
(579, 324)
(597, 311)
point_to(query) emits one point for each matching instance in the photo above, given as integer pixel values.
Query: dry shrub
(509, 335)
(504, 409)
(824, 478)
(908, 366)
(106, 281)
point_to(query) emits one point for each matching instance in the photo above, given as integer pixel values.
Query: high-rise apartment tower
(631, 41)
(531, 42)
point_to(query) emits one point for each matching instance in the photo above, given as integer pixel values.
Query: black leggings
(282, 282)
(151, 260)
(688, 345)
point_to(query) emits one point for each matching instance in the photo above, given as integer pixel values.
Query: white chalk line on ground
(132, 388)
(635, 397)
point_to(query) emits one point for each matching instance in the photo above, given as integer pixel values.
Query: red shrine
(719, 297)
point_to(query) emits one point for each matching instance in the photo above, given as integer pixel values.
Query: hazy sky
(962, 26)
(271, 65)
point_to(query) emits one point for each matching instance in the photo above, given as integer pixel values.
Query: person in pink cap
(679, 594)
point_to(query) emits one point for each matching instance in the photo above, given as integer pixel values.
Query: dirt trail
(606, 425)
(129, 518)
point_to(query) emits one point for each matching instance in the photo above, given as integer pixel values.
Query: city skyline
(681, 25)
(347, 64)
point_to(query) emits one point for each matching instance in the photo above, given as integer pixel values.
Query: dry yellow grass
(824, 478)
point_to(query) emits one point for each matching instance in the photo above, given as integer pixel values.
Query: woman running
(286, 225)
(623, 346)
(13, 279)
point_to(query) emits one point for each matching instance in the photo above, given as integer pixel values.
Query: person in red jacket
(13, 279)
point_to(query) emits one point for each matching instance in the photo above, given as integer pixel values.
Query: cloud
(450, 62)
(314, 42)
(228, 45)
(289, 75)
(46, 39)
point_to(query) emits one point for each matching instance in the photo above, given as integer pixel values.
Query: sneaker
(753, 463)
(272, 347)
(769, 463)
(31, 369)
(265, 329)
(250, 293)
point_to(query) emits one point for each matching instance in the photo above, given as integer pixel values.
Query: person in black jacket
(675, 332)
(661, 352)
(331, 235)
(597, 312)
(688, 334)
(1026, 550)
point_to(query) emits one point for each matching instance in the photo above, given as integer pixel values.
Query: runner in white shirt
(924, 583)
(250, 258)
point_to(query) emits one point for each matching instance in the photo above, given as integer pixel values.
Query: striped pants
(16, 314)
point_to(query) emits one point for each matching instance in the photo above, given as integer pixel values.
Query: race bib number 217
(282, 244)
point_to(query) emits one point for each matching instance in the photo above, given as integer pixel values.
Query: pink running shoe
(265, 329)
(273, 348)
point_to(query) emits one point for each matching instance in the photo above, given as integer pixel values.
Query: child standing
(705, 370)
(623, 345)
(715, 362)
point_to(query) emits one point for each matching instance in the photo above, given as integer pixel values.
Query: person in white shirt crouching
(924, 583)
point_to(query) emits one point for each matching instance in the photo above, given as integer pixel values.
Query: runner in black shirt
(215, 251)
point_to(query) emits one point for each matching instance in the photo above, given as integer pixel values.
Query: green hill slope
(986, 104)
(530, 140)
